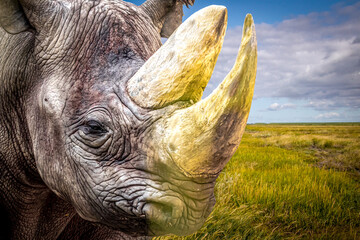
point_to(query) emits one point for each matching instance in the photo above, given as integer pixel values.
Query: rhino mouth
(171, 214)
(180, 207)
(197, 137)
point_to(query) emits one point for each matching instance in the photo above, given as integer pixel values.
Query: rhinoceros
(103, 132)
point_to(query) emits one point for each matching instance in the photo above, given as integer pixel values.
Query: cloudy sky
(308, 58)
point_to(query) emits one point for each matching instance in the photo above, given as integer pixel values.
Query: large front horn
(201, 138)
(12, 17)
(21, 15)
(182, 67)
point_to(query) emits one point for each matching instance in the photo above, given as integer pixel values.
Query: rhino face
(117, 124)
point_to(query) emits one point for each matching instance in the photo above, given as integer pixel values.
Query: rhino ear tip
(12, 18)
(17, 27)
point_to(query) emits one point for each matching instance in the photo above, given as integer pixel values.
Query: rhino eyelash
(93, 127)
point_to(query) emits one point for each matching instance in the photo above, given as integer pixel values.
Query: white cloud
(274, 107)
(277, 106)
(330, 115)
(311, 57)
(322, 105)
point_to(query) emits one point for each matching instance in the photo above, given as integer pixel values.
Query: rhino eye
(93, 127)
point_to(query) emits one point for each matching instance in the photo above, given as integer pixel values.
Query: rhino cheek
(111, 196)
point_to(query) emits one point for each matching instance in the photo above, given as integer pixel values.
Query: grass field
(289, 181)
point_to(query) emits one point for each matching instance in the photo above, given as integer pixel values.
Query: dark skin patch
(117, 53)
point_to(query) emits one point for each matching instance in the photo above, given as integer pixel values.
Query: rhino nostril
(164, 210)
(157, 213)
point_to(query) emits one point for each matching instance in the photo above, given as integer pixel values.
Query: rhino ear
(12, 17)
(166, 14)
(21, 15)
(172, 20)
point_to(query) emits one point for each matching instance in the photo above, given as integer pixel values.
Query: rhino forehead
(91, 50)
(96, 32)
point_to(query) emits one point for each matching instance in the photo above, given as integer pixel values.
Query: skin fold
(102, 131)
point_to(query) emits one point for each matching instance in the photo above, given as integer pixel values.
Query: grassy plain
(289, 181)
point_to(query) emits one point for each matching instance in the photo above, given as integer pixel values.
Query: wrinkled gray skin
(71, 141)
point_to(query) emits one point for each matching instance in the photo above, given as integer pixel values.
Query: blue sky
(268, 11)
(308, 58)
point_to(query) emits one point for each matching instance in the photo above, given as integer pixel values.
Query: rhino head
(116, 120)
